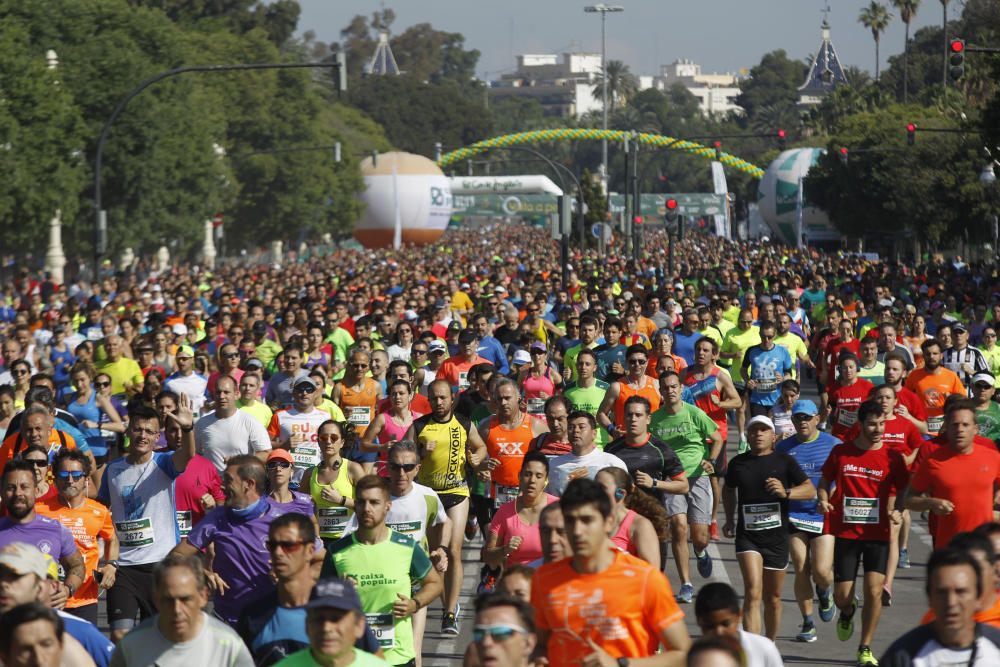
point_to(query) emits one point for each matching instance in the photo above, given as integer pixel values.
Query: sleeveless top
(323, 359)
(508, 445)
(359, 405)
(533, 387)
(442, 451)
(702, 391)
(61, 360)
(332, 518)
(625, 391)
(622, 537)
(429, 376)
(88, 410)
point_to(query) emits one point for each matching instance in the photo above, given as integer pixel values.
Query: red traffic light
(781, 134)
(957, 45)
(911, 128)
(843, 150)
(718, 144)
(637, 219)
(671, 204)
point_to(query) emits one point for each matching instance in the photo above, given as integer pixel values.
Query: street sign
(601, 230)
(692, 204)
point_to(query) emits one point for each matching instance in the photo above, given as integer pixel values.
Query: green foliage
(597, 205)
(770, 94)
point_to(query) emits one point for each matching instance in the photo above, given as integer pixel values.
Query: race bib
(505, 494)
(405, 527)
(847, 418)
(934, 424)
(807, 525)
(360, 415)
(332, 520)
(762, 516)
(463, 380)
(383, 629)
(305, 455)
(766, 386)
(184, 522)
(138, 533)
(861, 510)
(536, 406)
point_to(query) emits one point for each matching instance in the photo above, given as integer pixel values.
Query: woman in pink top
(632, 532)
(513, 537)
(538, 381)
(391, 425)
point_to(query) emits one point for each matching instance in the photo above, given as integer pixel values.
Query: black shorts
(87, 612)
(720, 463)
(131, 594)
(449, 500)
(756, 409)
(848, 554)
(773, 551)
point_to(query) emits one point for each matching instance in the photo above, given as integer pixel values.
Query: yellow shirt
(796, 349)
(258, 411)
(123, 371)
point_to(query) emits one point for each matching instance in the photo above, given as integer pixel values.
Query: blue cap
(334, 593)
(805, 407)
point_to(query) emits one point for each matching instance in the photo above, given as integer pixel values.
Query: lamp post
(988, 179)
(55, 257)
(604, 10)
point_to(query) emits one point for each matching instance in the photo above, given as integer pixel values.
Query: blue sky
(721, 35)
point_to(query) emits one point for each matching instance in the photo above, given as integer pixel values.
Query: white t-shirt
(760, 651)
(411, 514)
(561, 466)
(216, 644)
(218, 439)
(299, 430)
(193, 385)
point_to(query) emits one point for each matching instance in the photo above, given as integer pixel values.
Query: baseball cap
(522, 357)
(500, 289)
(180, 329)
(185, 351)
(22, 559)
(467, 336)
(254, 362)
(958, 326)
(334, 593)
(439, 304)
(804, 406)
(410, 315)
(454, 325)
(984, 378)
(280, 455)
(538, 346)
(303, 381)
(760, 419)
(259, 327)
(437, 345)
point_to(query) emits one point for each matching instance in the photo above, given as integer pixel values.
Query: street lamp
(604, 10)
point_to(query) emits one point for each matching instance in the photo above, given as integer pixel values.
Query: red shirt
(418, 403)
(968, 480)
(865, 480)
(900, 435)
(832, 354)
(912, 402)
(199, 477)
(844, 403)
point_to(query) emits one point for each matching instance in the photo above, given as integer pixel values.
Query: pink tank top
(391, 431)
(622, 538)
(534, 387)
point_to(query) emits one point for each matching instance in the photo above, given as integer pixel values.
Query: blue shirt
(810, 456)
(684, 345)
(607, 355)
(764, 367)
(491, 350)
(92, 640)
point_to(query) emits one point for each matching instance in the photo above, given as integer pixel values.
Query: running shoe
(743, 446)
(449, 624)
(471, 528)
(904, 559)
(845, 626)
(487, 581)
(886, 597)
(713, 531)
(686, 595)
(826, 607)
(866, 658)
(704, 564)
(808, 634)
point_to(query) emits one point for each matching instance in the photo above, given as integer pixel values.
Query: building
(562, 84)
(716, 93)
(825, 73)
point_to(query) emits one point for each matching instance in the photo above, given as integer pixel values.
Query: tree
(596, 202)
(907, 12)
(876, 18)
(622, 84)
(772, 89)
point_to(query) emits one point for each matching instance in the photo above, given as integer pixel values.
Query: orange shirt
(623, 609)
(625, 391)
(989, 616)
(933, 389)
(88, 522)
(359, 405)
(508, 445)
(14, 444)
(456, 371)
(967, 480)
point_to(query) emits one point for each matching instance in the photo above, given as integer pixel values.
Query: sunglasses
(102, 384)
(637, 361)
(230, 355)
(19, 372)
(67, 474)
(406, 467)
(288, 546)
(276, 465)
(38, 463)
(416, 351)
(497, 633)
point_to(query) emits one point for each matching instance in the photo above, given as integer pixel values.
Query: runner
(759, 483)
(765, 366)
(538, 380)
(810, 548)
(695, 439)
(589, 326)
(504, 633)
(632, 529)
(455, 369)
(585, 459)
(387, 566)
(588, 393)
(390, 424)
(846, 394)
(186, 381)
(611, 354)
(635, 383)
(987, 410)
(228, 431)
(556, 440)
(279, 476)
(867, 475)
(278, 394)
(908, 404)
(358, 395)
(933, 384)
(738, 340)
(513, 534)
(717, 611)
(331, 482)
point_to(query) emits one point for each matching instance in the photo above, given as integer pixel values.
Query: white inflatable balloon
(424, 206)
(777, 192)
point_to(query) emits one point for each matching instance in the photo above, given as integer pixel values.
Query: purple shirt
(241, 557)
(301, 503)
(48, 535)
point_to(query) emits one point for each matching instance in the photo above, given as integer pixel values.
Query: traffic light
(781, 139)
(637, 220)
(956, 49)
(672, 216)
(843, 155)
(911, 134)
(718, 151)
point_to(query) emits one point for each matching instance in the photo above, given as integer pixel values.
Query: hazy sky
(720, 35)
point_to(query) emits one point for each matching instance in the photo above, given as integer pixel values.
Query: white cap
(180, 329)
(760, 419)
(522, 357)
(984, 377)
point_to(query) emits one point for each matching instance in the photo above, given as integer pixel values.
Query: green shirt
(259, 411)
(687, 433)
(381, 571)
(341, 340)
(304, 658)
(738, 342)
(267, 352)
(569, 361)
(989, 421)
(589, 399)
(874, 374)
(796, 349)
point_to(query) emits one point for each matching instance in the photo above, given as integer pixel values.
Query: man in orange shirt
(957, 482)
(456, 369)
(933, 384)
(602, 604)
(88, 521)
(980, 547)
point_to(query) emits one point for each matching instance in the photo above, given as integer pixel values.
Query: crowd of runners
(281, 464)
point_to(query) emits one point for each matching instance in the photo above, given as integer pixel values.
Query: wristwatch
(622, 662)
(113, 563)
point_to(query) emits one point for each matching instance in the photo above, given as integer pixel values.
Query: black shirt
(760, 513)
(654, 457)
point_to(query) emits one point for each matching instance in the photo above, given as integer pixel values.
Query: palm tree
(907, 11)
(876, 18)
(622, 84)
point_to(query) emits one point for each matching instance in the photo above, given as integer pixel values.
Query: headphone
(619, 494)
